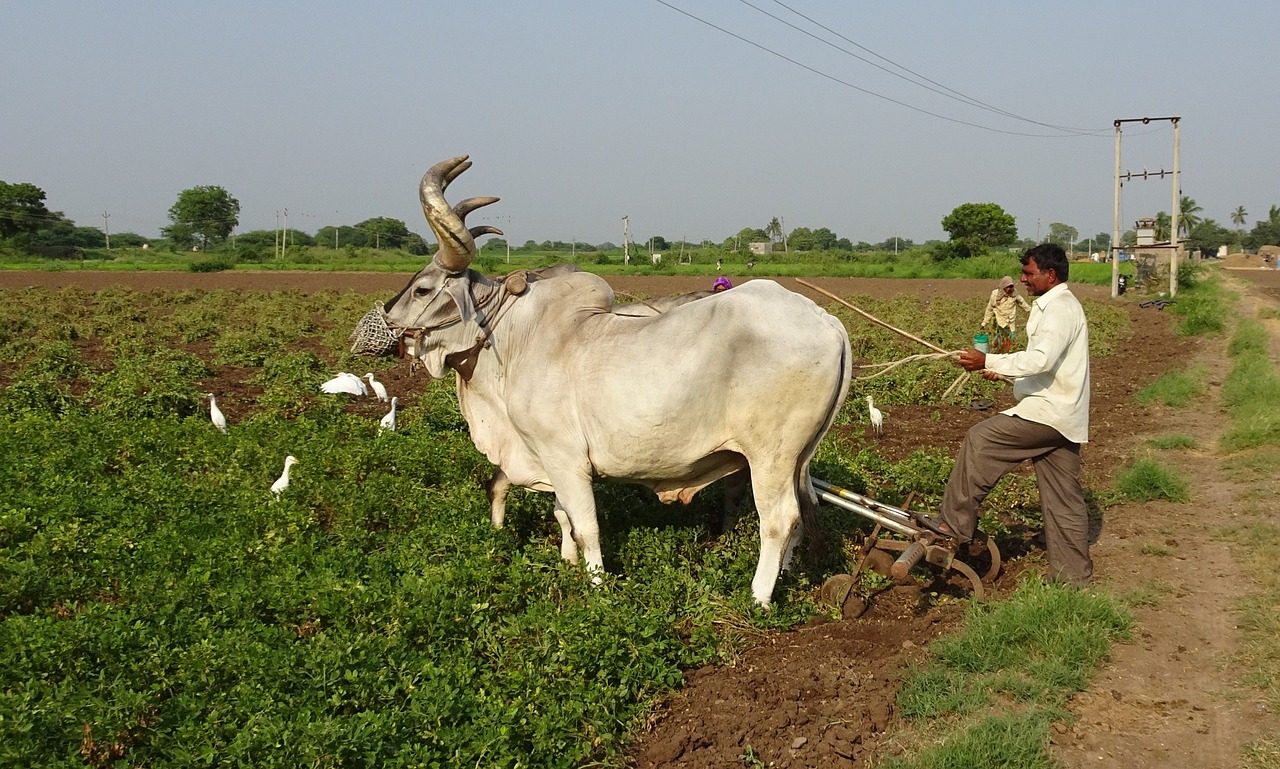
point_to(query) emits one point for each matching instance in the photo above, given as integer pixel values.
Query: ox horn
(457, 242)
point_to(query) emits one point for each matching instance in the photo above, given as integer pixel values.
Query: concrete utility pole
(626, 240)
(106, 230)
(1175, 209)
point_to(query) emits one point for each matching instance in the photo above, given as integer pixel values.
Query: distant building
(760, 248)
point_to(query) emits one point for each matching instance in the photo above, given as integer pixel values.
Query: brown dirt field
(823, 696)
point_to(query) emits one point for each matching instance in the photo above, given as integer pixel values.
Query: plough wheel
(974, 579)
(835, 591)
(996, 562)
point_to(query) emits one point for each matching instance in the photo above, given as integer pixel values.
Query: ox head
(443, 303)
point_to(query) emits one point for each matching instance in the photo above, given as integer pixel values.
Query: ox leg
(779, 508)
(568, 546)
(575, 499)
(497, 489)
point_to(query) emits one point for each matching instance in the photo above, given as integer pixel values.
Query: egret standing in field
(388, 423)
(345, 382)
(282, 482)
(877, 418)
(378, 389)
(216, 416)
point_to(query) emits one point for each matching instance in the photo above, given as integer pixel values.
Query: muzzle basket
(372, 336)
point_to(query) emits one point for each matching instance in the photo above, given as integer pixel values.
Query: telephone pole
(106, 230)
(626, 240)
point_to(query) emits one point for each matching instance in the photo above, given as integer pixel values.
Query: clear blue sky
(577, 113)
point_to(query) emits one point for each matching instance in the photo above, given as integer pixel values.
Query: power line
(848, 84)
(946, 91)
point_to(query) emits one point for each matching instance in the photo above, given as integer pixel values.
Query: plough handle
(906, 562)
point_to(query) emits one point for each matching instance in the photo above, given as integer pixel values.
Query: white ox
(559, 391)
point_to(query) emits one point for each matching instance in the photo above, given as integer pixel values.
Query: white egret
(378, 389)
(389, 421)
(877, 418)
(345, 382)
(215, 414)
(282, 482)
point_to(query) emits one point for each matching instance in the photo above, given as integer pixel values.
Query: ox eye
(421, 292)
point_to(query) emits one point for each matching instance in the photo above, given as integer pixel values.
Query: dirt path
(1172, 697)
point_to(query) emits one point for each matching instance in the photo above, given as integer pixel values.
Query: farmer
(721, 284)
(1047, 425)
(1003, 306)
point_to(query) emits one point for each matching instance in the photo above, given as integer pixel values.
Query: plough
(923, 540)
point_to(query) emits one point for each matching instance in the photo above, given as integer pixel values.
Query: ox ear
(459, 289)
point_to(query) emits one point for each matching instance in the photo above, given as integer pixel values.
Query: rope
(941, 353)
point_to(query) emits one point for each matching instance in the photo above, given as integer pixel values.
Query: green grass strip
(1012, 741)
(1148, 481)
(1177, 389)
(1043, 641)
(1251, 392)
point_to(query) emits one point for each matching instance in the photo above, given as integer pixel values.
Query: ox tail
(816, 543)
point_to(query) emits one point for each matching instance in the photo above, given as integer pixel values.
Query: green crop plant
(159, 608)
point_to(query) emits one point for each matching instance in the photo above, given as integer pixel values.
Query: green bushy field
(158, 608)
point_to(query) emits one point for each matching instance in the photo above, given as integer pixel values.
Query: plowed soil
(823, 696)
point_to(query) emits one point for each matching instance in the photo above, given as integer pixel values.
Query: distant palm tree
(1273, 215)
(1187, 216)
(1162, 226)
(774, 230)
(1238, 218)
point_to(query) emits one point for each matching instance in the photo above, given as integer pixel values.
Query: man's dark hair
(1049, 256)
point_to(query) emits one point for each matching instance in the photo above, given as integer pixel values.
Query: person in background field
(1003, 306)
(722, 284)
(1047, 425)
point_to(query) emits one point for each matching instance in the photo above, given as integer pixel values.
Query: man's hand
(972, 360)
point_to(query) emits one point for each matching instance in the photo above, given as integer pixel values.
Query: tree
(1206, 236)
(22, 209)
(824, 239)
(1098, 242)
(894, 244)
(1188, 216)
(801, 239)
(1238, 218)
(1064, 234)
(975, 227)
(1163, 222)
(1265, 233)
(207, 212)
(774, 230)
(385, 232)
(344, 235)
(745, 236)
